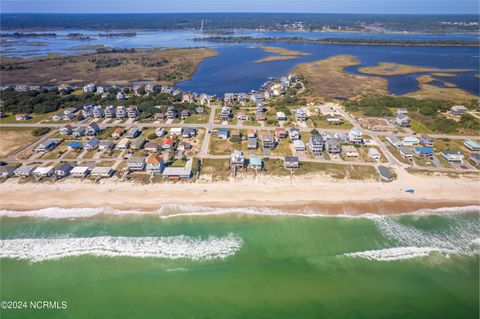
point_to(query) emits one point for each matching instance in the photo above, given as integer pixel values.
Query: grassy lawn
(106, 133)
(89, 154)
(198, 118)
(318, 121)
(396, 153)
(218, 146)
(250, 123)
(282, 149)
(56, 152)
(179, 163)
(218, 168)
(72, 154)
(12, 139)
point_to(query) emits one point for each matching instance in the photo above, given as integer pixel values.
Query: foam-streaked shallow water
(188, 261)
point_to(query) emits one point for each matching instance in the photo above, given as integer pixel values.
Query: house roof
(177, 171)
(79, 170)
(348, 149)
(449, 152)
(405, 150)
(64, 167)
(255, 161)
(154, 159)
(74, 144)
(424, 150)
(298, 143)
(43, 170)
(291, 159)
(25, 169)
(472, 143)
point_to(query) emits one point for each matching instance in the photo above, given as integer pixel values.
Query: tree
(41, 131)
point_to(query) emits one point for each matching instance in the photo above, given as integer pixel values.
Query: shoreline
(305, 195)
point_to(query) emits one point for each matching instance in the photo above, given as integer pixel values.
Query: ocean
(192, 262)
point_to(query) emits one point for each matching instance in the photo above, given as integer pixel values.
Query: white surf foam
(174, 247)
(458, 236)
(181, 210)
(399, 253)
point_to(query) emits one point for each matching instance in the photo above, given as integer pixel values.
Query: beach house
(300, 115)
(136, 163)
(458, 110)
(291, 162)
(175, 173)
(121, 112)
(452, 156)
(406, 152)
(402, 120)
(101, 171)
(223, 133)
(106, 145)
(154, 164)
(237, 159)
(281, 116)
(427, 141)
(294, 133)
(98, 111)
(75, 145)
(268, 141)
(118, 132)
(410, 141)
(374, 154)
(424, 151)
(43, 171)
(138, 143)
(472, 145)
(63, 170)
(280, 132)
(66, 129)
(333, 146)
(24, 171)
(79, 131)
(92, 144)
(46, 146)
(393, 139)
(133, 132)
(132, 112)
(355, 136)
(167, 143)
(350, 151)
(252, 143)
(316, 144)
(225, 113)
(7, 171)
(152, 147)
(176, 131)
(255, 163)
(92, 129)
(123, 144)
(110, 112)
(188, 132)
(80, 171)
(299, 146)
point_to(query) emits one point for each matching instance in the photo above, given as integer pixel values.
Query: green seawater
(286, 267)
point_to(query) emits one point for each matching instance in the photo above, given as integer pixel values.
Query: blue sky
(327, 6)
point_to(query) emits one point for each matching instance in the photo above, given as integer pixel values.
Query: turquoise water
(242, 266)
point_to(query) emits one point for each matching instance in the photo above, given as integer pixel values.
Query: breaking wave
(175, 247)
(180, 210)
(399, 253)
(461, 236)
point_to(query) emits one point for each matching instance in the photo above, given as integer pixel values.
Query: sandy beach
(312, 194)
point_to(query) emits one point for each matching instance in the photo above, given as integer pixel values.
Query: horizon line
(248, 12)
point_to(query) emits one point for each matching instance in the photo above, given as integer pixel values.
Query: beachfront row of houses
(424, 146)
